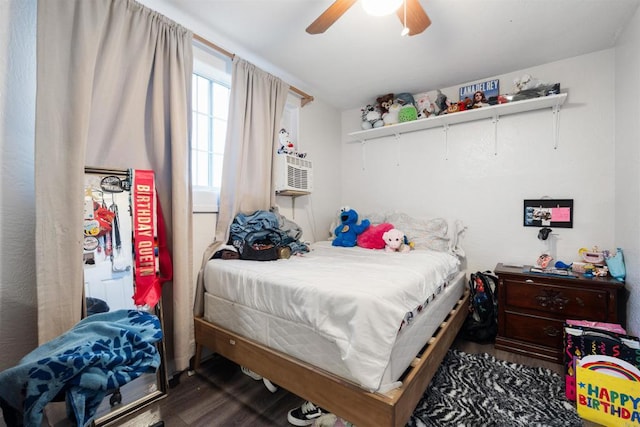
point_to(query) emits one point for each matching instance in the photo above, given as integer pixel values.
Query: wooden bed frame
(337, 395)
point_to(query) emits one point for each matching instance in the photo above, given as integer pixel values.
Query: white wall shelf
(293, 194)
(493, 112)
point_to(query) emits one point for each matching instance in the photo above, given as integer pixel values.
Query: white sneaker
(305, 414)
(269, 385)
(250, 373)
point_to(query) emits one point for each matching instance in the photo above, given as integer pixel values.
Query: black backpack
(481, 325)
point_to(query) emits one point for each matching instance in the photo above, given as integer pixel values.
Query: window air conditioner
(294, 175)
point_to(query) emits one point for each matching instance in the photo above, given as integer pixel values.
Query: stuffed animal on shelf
(371, 117)
(286, 145)
(408, 113)
(426, 108)
(405, 98)
(454, 107)
(384, 102)
(442, 102)
(526, 82)
(527, 87)
(395, 241)
(392, 117)
(348, 230)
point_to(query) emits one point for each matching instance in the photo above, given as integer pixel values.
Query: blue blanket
(100, 353)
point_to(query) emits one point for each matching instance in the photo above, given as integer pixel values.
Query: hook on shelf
(555, 111)
(445, 129)
(495, 120)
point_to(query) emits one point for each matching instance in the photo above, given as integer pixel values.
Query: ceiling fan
(411, 14)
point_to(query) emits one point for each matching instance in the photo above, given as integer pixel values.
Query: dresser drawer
(565, 302)
(532, 308)
(534, 329)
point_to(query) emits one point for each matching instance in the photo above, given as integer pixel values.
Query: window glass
(210, 111)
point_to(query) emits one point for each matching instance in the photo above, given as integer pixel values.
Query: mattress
(358, 313)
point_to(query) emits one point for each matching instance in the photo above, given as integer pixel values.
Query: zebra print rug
(480, 390)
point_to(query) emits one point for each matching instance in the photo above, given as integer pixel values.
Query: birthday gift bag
(581, 341)
(609, 391)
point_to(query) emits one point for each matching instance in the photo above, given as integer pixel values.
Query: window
(210, 109)
(290, 119)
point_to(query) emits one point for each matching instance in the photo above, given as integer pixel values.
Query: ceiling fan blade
(417, 19)
(329, 16)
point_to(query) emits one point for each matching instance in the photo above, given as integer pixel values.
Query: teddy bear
(395, 241)
(384, 102)
(371, 117)
(348, 230)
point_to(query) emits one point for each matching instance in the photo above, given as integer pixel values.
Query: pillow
(371, 238)
(425, 234)
(438, 234)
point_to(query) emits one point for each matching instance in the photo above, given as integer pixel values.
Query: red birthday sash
(145, 238)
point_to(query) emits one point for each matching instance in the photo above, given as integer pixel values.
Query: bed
(359, 332)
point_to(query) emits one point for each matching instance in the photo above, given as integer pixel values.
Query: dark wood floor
(221, 395)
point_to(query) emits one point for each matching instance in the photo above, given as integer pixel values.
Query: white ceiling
(361, 57)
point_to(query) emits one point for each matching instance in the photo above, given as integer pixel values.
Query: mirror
(109, 283)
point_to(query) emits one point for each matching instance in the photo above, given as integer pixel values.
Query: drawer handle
(528, 281)
(551, 331)
(580, 301)
(552, 300)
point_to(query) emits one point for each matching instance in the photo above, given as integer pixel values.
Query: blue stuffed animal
(348, 230)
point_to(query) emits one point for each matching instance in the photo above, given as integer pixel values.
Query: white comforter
(354, 296)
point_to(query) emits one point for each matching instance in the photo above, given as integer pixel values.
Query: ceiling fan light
(381, 7)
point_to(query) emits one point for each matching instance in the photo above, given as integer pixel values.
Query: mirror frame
(121, 410)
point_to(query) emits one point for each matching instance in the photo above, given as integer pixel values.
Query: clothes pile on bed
(264, 228)
(100, 353)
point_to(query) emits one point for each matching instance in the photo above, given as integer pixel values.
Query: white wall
(627, 155)
(18, 313)
(320, 138)
(486, 190)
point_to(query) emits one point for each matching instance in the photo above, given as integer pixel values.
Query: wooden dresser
(532, 308)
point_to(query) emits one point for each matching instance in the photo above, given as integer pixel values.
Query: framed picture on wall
(548, 213)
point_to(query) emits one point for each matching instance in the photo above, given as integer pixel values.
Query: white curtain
(114, 91)
(255, 111)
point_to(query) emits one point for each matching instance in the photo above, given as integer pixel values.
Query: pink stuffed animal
(371, 238)
(395, 241)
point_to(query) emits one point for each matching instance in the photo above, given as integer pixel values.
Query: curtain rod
(306, 98)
